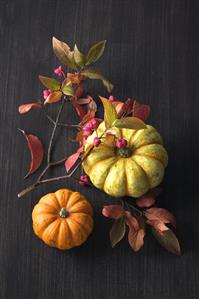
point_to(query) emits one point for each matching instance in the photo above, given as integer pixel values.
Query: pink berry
(112, 98)
(121, 143)
(96, 141)
(84, 179)
(58, 71)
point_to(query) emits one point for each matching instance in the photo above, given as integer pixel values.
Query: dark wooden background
(152, 55)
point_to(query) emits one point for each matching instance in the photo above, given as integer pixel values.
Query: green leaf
(129, 123)
(68, 90)
(96, 75)
(50, 83)
(168, 240)
(95, 52)
(110, 114)
(63, 53)
(117, 231)
(79, 57)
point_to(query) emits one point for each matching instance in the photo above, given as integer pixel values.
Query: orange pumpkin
(63, 219)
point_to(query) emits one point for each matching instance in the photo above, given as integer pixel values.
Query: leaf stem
(60, 124)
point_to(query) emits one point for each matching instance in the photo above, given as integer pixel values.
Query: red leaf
(141, 111)
(157, 217)
(36, 150)
(148, 199)
(79, 91)
(88, 116)
(113, 211)
(72, 159)
(136, 232)
(27, 107)
(80, 111)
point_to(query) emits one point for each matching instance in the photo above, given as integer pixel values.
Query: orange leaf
(113, 211)
(36, 150)
(54, 97)
(136, 232)
(158, 217)
(27, 107)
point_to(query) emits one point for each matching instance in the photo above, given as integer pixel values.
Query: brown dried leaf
(117, 231)
(168, 240)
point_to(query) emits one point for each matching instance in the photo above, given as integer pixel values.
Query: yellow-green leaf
(68, 90)
(53, 97)
(95, 52)
(110, 114)
(117, 231)
(63, 53)
(168, 240)
(96, 75)
(129, 123)
(79, 57)
(50, 83)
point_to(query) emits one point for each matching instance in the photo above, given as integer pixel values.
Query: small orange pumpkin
(63, 219)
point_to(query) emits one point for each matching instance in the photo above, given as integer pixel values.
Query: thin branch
(60, 124)
(53, 132)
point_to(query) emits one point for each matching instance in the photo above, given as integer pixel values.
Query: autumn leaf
(148, 199)
(63, 53)
(88, 116)
(158, 217)
(50, 83)
(54, 97)
(27, 107)
(79, 57)
(79, 91)
(72, 160)
(95, 52)
(68, 90)
(36, 150)
(123, 109)
(117, 231)
(168, 240)
(113, 211)
(141, 111)
(129, 123)
(96, 75)
(110, 114)
(136, 232)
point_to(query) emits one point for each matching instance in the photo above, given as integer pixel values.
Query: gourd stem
(63, 213)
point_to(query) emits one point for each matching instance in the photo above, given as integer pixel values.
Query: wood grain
(152, 55)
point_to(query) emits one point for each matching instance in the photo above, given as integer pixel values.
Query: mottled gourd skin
(63, 219)
(129, 176)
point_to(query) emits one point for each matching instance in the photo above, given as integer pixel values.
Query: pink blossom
(121, 143)
(59, 71)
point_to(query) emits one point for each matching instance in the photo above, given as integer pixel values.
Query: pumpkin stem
(124, 152)
(63, 213)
